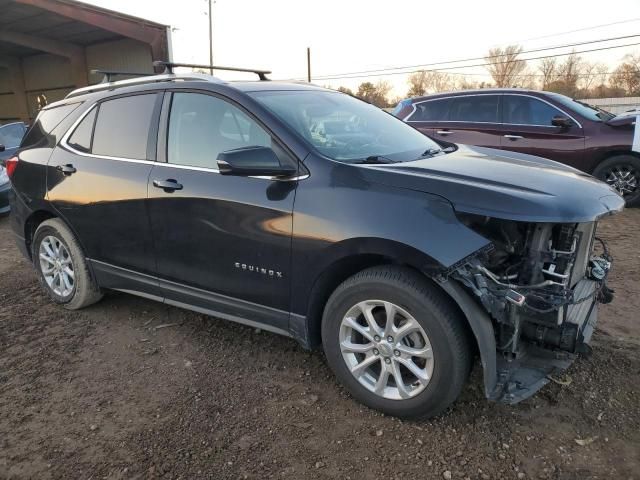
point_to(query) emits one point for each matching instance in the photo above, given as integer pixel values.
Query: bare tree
(627, 75)
(548, 67)
(504, 66)
(428, 81)
(376, 94)
(346, 90)
(591, 75)
(569, 73)
(417, 84)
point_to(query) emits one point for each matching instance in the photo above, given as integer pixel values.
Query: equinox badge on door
(263, 271)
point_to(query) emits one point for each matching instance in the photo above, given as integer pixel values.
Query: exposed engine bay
(540, 283)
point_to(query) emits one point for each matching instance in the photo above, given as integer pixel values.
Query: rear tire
(622, 172)
(426, 386)
(61, 266)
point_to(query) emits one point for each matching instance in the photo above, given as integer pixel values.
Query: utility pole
(308, 64)
(210, 38)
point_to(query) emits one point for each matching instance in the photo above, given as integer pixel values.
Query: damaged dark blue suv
(314, 215)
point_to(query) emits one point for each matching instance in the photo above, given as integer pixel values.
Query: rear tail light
(11, 165)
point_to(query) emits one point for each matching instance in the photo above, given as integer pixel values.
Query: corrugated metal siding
(45, 72)
(7, 108)
(50, 75)
(5, 81)
(121, 55)
(7, 100)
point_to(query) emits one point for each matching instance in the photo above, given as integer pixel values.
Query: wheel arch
(345, 260)
(35, 219)
(613, 153)
(307, 329)
(31, 224)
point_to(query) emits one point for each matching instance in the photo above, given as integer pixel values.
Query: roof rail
(169, 66)
(164, 77)
(109, 74)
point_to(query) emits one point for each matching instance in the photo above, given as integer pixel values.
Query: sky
(355, 35)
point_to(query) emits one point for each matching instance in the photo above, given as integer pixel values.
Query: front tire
(396, 343)
(61, 266)
(622, 172)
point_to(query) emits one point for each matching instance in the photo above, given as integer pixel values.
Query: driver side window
(202, 126)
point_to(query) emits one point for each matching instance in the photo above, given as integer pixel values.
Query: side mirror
(2, 149)
(253, 161)
(560, 121)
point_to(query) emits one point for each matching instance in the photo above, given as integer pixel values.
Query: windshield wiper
(375, 159)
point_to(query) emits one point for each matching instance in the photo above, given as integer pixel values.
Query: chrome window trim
(406, 119)
(64, 144)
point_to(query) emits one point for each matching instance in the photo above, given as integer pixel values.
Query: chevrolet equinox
(312, 214)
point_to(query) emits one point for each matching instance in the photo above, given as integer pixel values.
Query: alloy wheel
(623, 178)
(386, 349)
(56, 266)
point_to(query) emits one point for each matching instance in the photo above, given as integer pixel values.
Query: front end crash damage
(540, 284)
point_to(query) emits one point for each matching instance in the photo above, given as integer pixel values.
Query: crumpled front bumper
(521, 377)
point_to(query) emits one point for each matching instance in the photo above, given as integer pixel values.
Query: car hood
(507, 185)
(623, 119)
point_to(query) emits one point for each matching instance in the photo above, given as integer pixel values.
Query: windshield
(344, 128)
(590, 112)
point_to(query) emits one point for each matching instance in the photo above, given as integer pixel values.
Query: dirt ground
(106, 394)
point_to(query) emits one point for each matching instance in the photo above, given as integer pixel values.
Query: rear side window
(431, 111)
(521, 110)
(45, 123)
(81, 137)
(476, 108)
(11, 135)
(123, 125)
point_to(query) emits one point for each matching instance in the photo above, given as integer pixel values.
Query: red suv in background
(544, 124)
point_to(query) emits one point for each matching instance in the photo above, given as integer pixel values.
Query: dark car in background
(10, 137)
(544, 124)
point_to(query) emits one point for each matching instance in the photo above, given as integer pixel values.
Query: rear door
(472, 120)
(97, 180)
(427, 115)
(528, 129)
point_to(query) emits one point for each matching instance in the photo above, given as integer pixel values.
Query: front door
(98, 179)
(528, 129)
(223, 243)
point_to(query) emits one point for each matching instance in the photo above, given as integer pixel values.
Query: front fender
(338, 213)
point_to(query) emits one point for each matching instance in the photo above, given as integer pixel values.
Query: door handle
(169, 185)
(513, 137)
(444, 132)
(67, 169)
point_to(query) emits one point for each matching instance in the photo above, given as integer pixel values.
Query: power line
(421, 66)
(584, 29)
(473, 74)
(337, 77)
